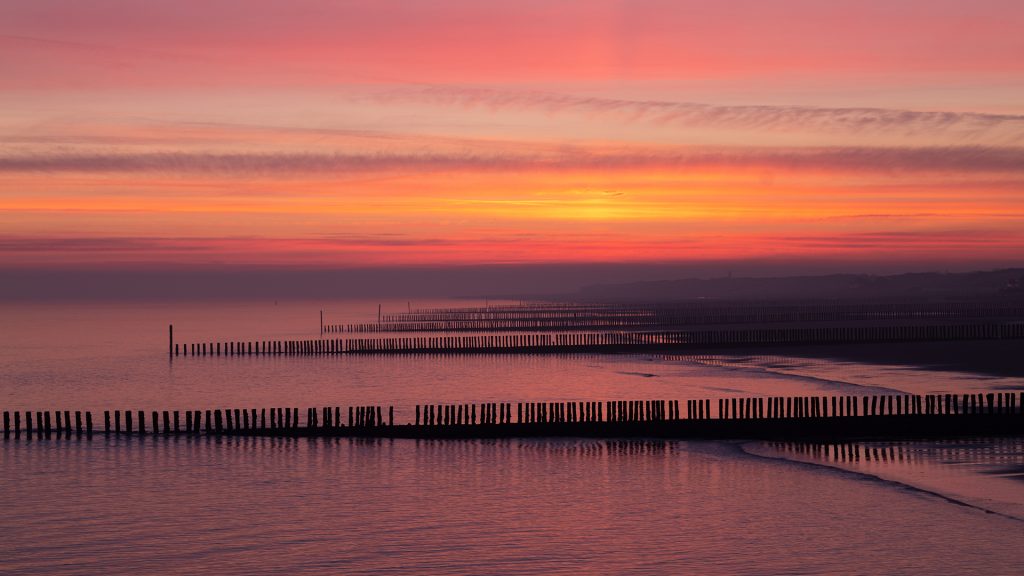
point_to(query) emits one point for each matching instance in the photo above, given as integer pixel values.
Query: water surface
(243, 506)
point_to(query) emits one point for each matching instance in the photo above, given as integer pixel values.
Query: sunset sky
(329, 134)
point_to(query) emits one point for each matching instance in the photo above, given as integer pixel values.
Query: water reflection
(242, 505)
(987, 472)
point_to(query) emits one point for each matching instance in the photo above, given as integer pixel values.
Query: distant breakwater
(600, 342)
(539, 317)
(777, 418)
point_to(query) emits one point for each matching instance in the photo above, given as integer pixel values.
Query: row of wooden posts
(591, 318)
(284, 420)
(766, 308)
(215, 421)
(598, 342)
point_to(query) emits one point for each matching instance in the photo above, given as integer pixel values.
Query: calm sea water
(242, 506)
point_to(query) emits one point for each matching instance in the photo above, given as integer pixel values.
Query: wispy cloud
(1008, 127)
(382, 249)
(105, 244)
(966, 159)
(92, 245)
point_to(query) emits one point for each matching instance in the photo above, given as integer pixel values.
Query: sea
(188, 505)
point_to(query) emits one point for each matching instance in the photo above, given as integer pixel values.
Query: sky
(323, 134)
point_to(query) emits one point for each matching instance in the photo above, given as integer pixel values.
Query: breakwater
(774, 417)
(555, 317)
(601, 342)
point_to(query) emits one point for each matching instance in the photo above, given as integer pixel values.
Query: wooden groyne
(544, 317)
(603, 342)
(787, 418)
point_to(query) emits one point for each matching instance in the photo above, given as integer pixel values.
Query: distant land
(1005, 283)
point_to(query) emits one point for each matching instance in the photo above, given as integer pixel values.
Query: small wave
(826, 383)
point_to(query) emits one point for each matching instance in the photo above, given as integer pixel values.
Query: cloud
(95, 244)
(963, 159)
(964, 238)
(746, 117)
(108, 244)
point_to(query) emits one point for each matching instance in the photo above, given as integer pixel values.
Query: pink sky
(393, 133)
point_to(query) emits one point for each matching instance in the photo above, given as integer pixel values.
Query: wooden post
(7, 423)
(177, 427)
(78, 422)
(142, 422)
(127, 421)
(88, 423)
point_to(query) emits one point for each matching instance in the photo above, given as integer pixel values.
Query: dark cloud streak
(854, 159)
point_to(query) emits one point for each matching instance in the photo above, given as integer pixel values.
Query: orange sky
(342, 134)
